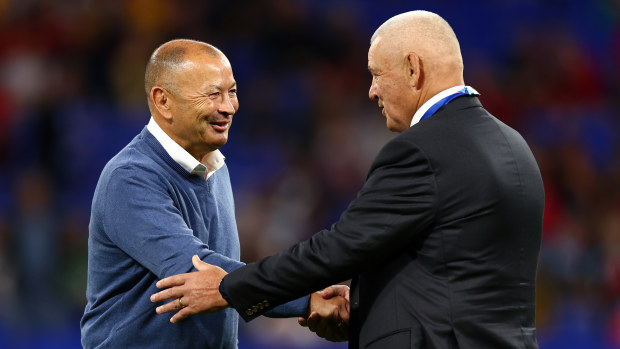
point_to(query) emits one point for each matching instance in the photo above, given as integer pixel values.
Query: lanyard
(465, 91)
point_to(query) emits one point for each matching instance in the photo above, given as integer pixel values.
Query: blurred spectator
(34, 249)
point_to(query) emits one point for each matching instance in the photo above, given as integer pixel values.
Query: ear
(414, 69)
(161, 101)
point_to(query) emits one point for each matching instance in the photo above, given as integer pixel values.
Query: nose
(372, 93)
(227, 106)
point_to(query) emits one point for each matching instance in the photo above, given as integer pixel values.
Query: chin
(216, 142)
(220, 143)
(395, 127)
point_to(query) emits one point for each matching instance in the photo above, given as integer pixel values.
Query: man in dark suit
(441, 242)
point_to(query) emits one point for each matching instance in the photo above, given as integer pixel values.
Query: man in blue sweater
(164, 198)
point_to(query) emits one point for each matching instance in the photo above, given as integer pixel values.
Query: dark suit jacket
(442, 242)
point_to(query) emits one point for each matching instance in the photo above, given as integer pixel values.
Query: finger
(302, 322)
(342, 334)
(335, 290)
(333, 327)
(168, 307)
(313, 321)
(182, 314)
(198, 264)
(326, 293)
(326, 331)
(344, 313)
(330, 333)
(174, 292)
(330, 291)
(322, 328)
(174, 280)
(339, 332)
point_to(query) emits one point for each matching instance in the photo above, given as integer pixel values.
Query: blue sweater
(149, 216)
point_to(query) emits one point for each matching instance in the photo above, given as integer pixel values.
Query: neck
(197, 152)
(434, 89)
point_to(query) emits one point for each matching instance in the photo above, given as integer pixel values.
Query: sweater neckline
(152, 142)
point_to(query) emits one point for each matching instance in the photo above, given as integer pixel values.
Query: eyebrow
(220, 88)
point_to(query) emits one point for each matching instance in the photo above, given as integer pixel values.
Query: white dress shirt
(211, 162)
(436, 98)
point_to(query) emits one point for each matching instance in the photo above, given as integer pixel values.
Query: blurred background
(71, 77)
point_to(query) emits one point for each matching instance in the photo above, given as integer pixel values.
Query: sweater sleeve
(141, 219)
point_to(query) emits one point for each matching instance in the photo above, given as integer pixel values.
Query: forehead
(376, 55)
(207, 70)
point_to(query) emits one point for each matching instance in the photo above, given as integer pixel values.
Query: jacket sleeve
(394, 207)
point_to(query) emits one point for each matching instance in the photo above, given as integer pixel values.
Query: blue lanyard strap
(465, 91)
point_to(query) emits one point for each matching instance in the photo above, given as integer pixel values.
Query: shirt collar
(436, 98)
(211, 162)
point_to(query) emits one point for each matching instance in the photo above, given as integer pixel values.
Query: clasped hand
(328, 313)
(198, 292)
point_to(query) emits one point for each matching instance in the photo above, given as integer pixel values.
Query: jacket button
(248, 312)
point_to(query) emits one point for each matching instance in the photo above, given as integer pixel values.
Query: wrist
(310, 302)
(222, 290)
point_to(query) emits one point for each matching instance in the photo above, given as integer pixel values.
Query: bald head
(429, 36)
(412, 57)
(169, 58)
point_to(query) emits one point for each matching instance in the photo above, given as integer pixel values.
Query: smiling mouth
(220, 126)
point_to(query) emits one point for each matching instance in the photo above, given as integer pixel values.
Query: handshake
(328, 313)
(198, 292)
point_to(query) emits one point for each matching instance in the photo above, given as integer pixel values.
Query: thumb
(302, 321)
(198, 264)
(327, 293)
(335, 290)
(346, 294)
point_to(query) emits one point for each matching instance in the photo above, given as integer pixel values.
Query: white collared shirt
(212, 162)
(436, 98)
